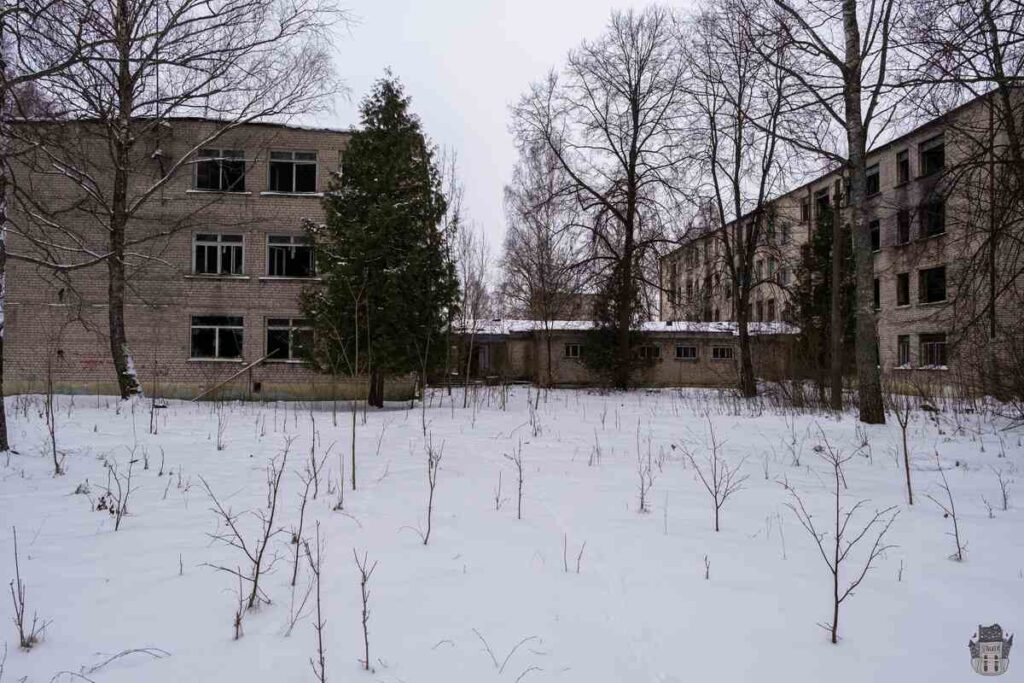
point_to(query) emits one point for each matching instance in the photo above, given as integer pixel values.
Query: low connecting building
(945, 292)
(216, 259)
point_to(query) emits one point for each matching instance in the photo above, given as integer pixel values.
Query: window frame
(902, 173)
(902, 278)
(903, 229)
(221, 155)
(927, 210)
(572, 346)
(291, 325)
(903, 346)
(217, 328)
(294, 241)
(875, 228)
(723, 353)
(649, 351)
(873, 172)
(922, 288)
(219, 245)
(925, 148)
(295, 163)
(936, 346)
(681, 356)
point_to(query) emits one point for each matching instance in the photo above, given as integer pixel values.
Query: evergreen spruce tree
(387, 289)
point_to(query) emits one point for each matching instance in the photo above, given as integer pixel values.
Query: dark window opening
(932, 350)
(769, 310)
(933, 155)
(903, 350)
(216, 336)
(903, 289)
(217, 254)
(221, 170)
(931, 286)
(874, 185)
(649, 352)
(686, 352)
(572, 351)
(293, 172)
(290, 256)
(805, 210)
(902, 226)
(721, 352)
(902, 167)
(877, 295)
(933, 218)
(876, 235)
(822, 206)
(288, 338)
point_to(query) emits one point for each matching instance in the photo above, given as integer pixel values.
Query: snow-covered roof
(681, 327)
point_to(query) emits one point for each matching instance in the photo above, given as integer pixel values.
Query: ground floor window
(722, 352)
(686, 352)
(216, 336)
(649, 352)
(903, 350)
(572, 351)
(288, 338)
(932, 350)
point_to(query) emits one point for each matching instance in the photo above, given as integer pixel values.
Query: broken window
(933, 155)
(874, 185)
(290, 256)
(293, 172)
(903, 289)
(215, 254)
(902, 226)
(221, 170)
(216, 336)
(722, 352)
(686, 352)
(902, 167)
(931, 286)
(288, 338)
(932, 351)
(903, 350)
(933, 218)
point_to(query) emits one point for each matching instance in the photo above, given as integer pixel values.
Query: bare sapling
(837, 545)
(1004, 487)
(365, 572)
(319, 663)
(258, 560)
(707, 568)
(720, 479)
(433, 463)
(28, 633)
(644, 472)
(498, 500)
(948, 507)
(902, 405)
(307, 479)
(115, 499)
(49, 409)
(516, 458)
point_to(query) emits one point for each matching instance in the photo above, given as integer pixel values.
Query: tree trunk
(375, 395)
(906, 462)
(547, 343)
(869, 382)
(124, 366)
(836, 315)
(748, 384)
(4, 445)
(622, 367)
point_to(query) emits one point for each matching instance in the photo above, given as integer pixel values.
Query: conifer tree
(387, 289)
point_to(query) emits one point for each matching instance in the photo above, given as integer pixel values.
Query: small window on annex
(722, 352)
(572, 351)
(684, 352)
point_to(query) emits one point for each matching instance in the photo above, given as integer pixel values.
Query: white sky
(464, 62)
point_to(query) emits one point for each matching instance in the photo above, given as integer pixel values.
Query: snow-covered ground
(489, 598)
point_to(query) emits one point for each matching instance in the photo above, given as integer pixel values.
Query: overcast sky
(464, 62)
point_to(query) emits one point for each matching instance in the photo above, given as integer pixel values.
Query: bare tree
(737, 104)
(472, 261)
(28, 633)
(838, 59)
(948, 507)
(609, 118)
(255, 552)
(720, 479)
(516, 458)
(541, 276)
(148, 62)
(319, 665)
(433, 464)
(365, 572)
(838, 551)
(902, 406)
